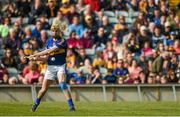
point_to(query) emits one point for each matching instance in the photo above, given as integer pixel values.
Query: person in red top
(147, 51)
(86, 40)
(74, 41)
(94, 3)
(176, 46)
(30, 73)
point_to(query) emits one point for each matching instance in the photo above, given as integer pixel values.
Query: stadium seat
(12, 72)
(13, 20)
(109, 13)
(122, 13)
(133, 14)
(50, 21)
(90, 52)
(25, 20)
(1, 53)
(31, 26)
(113, 20)
(49, 32)
(103, 71)
(129, 20)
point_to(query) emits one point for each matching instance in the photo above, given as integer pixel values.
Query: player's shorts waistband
(56, 65)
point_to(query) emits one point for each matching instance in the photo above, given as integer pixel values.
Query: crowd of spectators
(103, 46)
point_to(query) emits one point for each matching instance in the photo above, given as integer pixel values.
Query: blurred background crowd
(109, 41)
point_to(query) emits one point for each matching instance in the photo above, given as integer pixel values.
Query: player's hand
(32, 57)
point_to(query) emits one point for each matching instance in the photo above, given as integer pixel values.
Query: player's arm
(44, 52)
(41, 58)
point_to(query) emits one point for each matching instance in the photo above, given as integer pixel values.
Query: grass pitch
(92, 109)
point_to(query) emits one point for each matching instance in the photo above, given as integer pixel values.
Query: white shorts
(52, 71)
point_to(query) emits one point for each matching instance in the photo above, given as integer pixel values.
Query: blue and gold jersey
(59, 56)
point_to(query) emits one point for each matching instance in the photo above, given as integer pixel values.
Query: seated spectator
(89, 12)
(90, 24)
(11, 9)
(81, 57)
(121, 24)
(156, 18)
(22, 62)
(134, 72)
(133, 5)
(167, 29)
(177, 73)
(86, 39)
(120, 72)
(108, 53)
(8, 60)
(36, 31)
(77, 26)
(51, 9)
(163, 80)
(28, 36)
(18, 27)
(44, 23)
(73, 41)
(70, 59)
(164, 9)
(133, 46)
(151, 78)
(78, 78)
(158, 37)
(80, 6)
(171, 17)
(100, 40)
(3, 74)
(143, 6)
(140, 20)
(12, 42)
(151, 28)
(120, 49)
(171, 77)
(143, 36)
(37, 9)
(150, 9)
(27, 49)
(147, 51)
(160, 48)
(73, 12)
(176, 46)
(86, 70)
(109, 78)
(106, 25)
(157, 65)
(98, 60)
(30, 73)
(42, 40)
(170, 41)
(120, 5)
(65, 8)
(4, 28)
(96, 78)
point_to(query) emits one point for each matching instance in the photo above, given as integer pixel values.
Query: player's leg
(64, 88)
(42, 91)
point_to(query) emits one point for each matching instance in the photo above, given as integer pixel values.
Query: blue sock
(70, 103)
(37, 102)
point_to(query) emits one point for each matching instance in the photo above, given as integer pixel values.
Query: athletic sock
(70, 103)
(38, 100)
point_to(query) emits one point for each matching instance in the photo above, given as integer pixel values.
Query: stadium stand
(112, 41)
